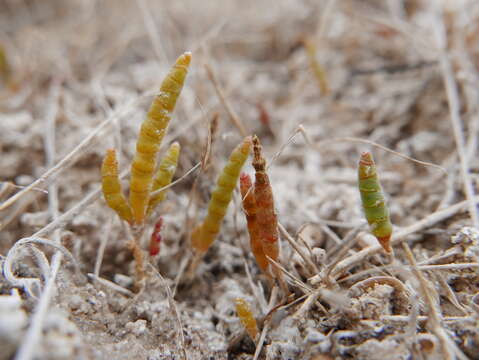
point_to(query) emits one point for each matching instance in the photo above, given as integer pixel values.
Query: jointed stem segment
(246, 317)
(204, 235)
(374, 203)
(111, 187)
(151, 134)
(251, 212)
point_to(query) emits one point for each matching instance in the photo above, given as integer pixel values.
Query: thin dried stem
(102, 247)
(324, 20)
(306, 306)
(180, 179)
(111, 285)
(235, 119)
(34, 332)
(92, 197)
(176, 313)
(32, 337)
(261, 340)
(449, 348)
(151, 29)
(309, 263)
(278, 270)
(324, 144)
(454, 112)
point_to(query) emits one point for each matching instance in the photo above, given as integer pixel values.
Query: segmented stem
(246, 317)
(374, 204)
(266, 215)
(151, 134)
(164, 175)
(205, 234)
(111, 187)
(250, 209)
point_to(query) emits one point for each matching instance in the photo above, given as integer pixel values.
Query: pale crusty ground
(108, 58)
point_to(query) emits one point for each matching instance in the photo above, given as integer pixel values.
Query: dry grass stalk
(176, 313)
(311, 266)
(251, 209)
(206, 233)
(212, 132)
(324, 144)
(32, 337)
(454, 110)
(449, 348)
(34, 333)
(235, 119)
(278, 268)
(316, 67)
(111, 285)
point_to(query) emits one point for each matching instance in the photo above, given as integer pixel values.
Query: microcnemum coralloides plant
(261, 218)
(146, 179)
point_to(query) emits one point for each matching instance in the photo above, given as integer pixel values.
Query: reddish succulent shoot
(155, 239)
(250, 209)
(267, 220)
(263, 194)
(246, 317)
(263, 115)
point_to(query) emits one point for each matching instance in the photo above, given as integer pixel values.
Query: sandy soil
(77, 77)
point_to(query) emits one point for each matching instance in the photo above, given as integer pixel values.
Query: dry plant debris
(396, 77)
